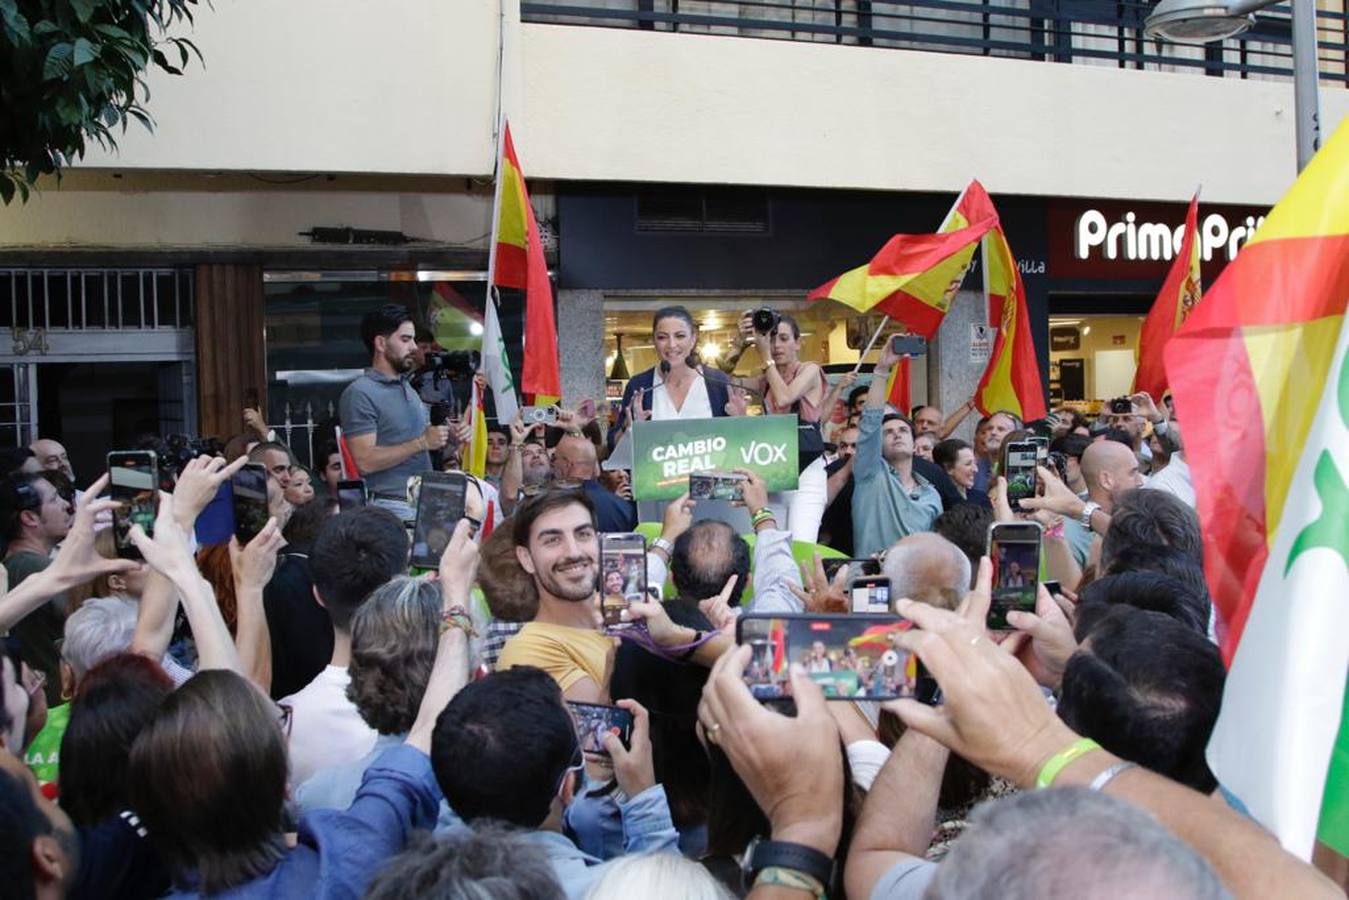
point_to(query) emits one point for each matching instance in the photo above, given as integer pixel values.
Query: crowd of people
(301, 715)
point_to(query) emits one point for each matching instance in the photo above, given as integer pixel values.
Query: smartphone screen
(851, 657)
(1014, 548)
(594, 721)
(716, 486)
(1022, 479)
(622, 575)
(133, 477)
(856, 567)
(870, 595)
(350, 495)
(440, 506)
(249, 485)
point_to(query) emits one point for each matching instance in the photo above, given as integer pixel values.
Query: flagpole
(496, 207)
(886, 321)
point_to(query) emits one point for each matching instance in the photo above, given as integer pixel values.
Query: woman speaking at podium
(679, 386)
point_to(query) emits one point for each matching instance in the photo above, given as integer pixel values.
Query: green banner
(664, 454)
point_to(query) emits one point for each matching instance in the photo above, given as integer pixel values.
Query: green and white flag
(497, 364)
(1281, 743)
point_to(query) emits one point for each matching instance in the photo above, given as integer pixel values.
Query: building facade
(717, 154)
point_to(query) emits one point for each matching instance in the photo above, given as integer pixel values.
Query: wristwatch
(663, 545)
(762, 854)
(1090, 507)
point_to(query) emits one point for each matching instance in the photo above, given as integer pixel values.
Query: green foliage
(73, 70)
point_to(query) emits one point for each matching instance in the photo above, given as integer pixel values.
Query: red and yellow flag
(900, 391)
(475, 454)
(1260, 376)
(914, 277)
(1011, 382)
(1179, 293)
(520, 264)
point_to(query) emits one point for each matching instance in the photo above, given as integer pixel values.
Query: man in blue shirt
(506, 749)
(890, 500)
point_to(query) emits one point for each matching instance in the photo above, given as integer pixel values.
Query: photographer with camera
(385, 422)
(680, 386)
(789, 385)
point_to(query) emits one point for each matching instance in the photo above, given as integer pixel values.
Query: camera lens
(765, 320)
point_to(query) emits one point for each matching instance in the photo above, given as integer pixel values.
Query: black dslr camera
(765, 320)
(453, 363)
(175, 451)
(447, 365)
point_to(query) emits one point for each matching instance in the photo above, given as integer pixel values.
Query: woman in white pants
(789, 385)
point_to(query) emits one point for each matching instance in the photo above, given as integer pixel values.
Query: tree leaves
(72, 70)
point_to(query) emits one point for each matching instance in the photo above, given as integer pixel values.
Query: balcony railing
(1086, 32)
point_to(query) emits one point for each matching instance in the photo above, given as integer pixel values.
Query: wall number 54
(28, 341)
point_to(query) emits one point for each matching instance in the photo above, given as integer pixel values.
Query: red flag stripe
(1319, 266)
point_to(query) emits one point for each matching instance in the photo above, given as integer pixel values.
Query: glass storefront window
(314, 348)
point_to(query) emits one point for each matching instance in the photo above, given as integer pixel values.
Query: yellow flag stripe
(513, 227)
(1285, 360)
(1304, 210)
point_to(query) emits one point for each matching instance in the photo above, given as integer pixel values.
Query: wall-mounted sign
(1064, 337)
(981, 343)
(1136, 240)
(1129, 237)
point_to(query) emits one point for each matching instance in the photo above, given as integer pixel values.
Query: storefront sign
(665, 453)
(981, 343)
(1137, 240)
(1131, 238)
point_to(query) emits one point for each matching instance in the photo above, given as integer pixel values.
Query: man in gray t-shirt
(385, 423)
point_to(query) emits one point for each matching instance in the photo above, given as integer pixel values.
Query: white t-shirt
(1175, 480)
(325, 728)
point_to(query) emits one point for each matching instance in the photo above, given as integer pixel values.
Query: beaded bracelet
(457, 617)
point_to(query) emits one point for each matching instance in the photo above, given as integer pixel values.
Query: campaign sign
(664, 454)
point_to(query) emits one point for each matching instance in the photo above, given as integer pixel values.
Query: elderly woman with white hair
(100, 628)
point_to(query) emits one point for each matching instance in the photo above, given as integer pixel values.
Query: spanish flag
(1260, 376)
(1011, 381)
(1180, 292)
(899, 392)
(519, 264)
(914, 277)
(475, 454)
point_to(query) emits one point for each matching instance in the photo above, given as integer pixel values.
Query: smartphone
(907, 345)
(350, 495)
(133, 476)
(622, 575)
(1121, 406)
(851, 657)
(1023, 481)
(1014, 548)
(594, 721)
(249, 486)
(862, 566)
(533, 415)
(716, 486)
(440, 506)
(870, 595)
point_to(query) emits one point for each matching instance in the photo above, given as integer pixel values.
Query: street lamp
(1207, 21)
